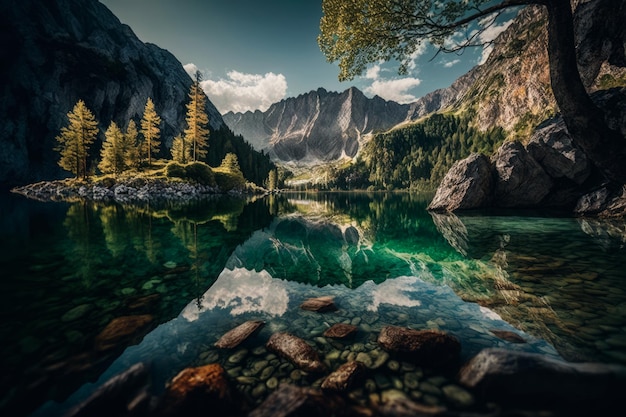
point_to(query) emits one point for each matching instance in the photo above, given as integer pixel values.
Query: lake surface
(181, 276)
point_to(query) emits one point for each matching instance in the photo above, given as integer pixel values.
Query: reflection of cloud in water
(242, 291)
(395, 292)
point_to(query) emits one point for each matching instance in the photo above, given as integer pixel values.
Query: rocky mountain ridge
(55, 53)
(511, 90)
(318, 126)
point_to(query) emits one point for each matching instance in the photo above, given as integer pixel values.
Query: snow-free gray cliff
(54, 53)
(318, 126)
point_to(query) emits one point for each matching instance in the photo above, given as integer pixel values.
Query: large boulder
(427, 347)
(552, 147)
(296, 350)
(536, 381)
(122, 331)
(468, 185)
(521, 181)
(202, 388)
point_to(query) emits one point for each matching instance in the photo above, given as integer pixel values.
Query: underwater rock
(296, 350)
(123, 330)
(240, 333)
(319, 304)
(292, 401)
(404, 407)
(202, 388)
(535, 380)
(344, 377)
(340, 331)
(123, 395)
(508, 336)
(76, 313)
(429, 347)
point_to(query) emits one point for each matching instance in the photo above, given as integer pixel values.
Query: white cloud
(452, 63)
(373, 73)
(421, 50)
(490, 34)
(240, 92)
(191, 69)
(396, 90)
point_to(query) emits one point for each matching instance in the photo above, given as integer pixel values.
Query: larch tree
(180, 150)
(272, 180)
(197, 132)
(130, 146)
(361, 32)
(75, 140)
(150, 130)
(112, 152)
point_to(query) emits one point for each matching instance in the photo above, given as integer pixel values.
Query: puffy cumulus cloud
(396, 89)
(450, 64)
(191, 69)
(373, 73)
(241, 92)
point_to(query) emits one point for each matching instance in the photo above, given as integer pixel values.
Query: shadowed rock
(202, 388)
(468, 185)
(319, 304)
(240, 333)
(403, 407)
(344, 377)
(428, 347)
(340, 331)
(534, 380)
(123, 330)
(296, 350)
(123, 395)
(508, 336)
(291, 401)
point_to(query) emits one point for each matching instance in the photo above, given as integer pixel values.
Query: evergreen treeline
(416, 156)
(135, 150)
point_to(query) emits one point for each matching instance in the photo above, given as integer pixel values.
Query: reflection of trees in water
(79, 224)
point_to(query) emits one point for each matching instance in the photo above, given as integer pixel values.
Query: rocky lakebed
(355, 365)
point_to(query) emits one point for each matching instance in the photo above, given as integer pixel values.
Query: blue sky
(254, 53)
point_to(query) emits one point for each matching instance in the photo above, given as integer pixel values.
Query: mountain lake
(186, 274)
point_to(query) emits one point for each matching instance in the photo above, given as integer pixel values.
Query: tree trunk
(605, 147)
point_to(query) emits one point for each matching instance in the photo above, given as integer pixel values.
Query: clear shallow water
(70, 269)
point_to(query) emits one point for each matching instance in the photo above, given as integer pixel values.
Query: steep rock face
(57, 52)
(317, 126)
(512, 88)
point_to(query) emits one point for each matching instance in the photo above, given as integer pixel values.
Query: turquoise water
(193, 272)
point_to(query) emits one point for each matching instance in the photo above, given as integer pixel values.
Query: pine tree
(112, 152)
(272, 180)
(231, 163)
(197, 133)
(180, 150)
(150, 131)
(75, 139)
(131, 151)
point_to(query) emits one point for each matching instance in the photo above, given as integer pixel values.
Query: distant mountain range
(510, 90)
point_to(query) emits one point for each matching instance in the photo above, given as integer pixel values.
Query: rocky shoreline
(132, 190)
(495, 382)
(547, 172)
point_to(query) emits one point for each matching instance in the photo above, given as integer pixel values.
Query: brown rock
(344, 377)
(143, 302)
(340, 331)
(292, 401)
(240, 333)
(123, 330)
(319, 304)
(296, 350)
(508, 336)
(428, 347)
(201, 388)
